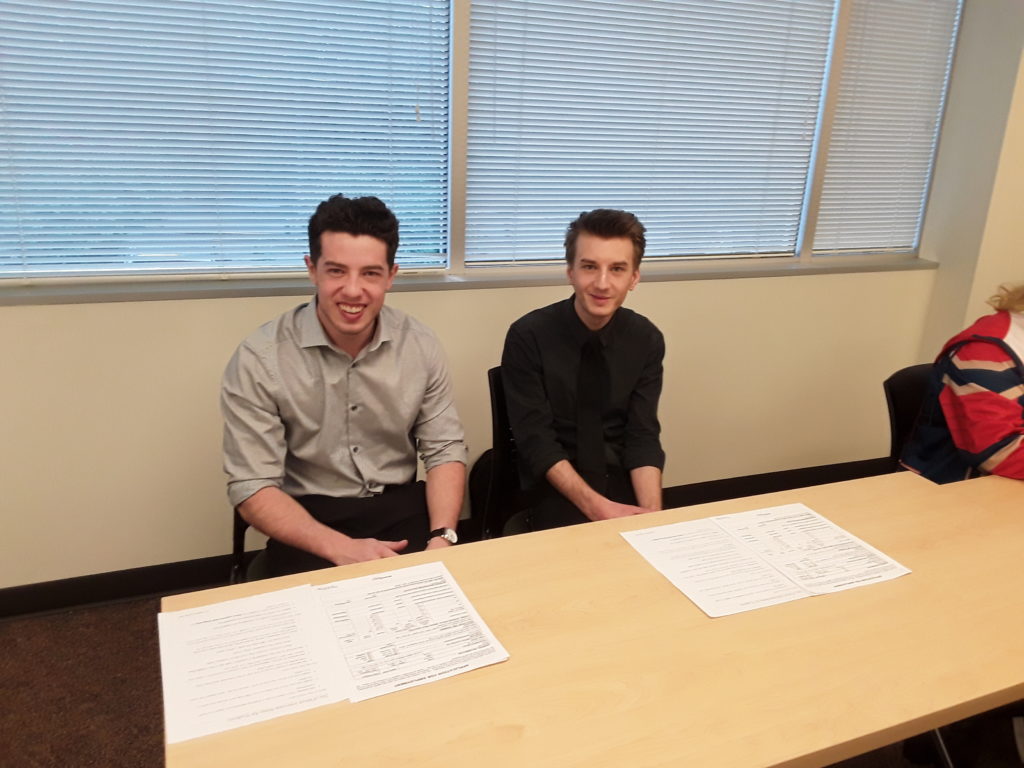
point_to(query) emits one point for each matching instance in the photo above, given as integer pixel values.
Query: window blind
(192, 135)
(889, 102)
(697, 116)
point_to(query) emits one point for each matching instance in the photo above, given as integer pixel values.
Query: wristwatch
(447, 534)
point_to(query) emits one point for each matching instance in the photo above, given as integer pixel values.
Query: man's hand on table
(360, 550)
(606, 509)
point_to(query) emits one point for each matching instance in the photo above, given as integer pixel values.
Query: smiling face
(602, 273)
(351, 277)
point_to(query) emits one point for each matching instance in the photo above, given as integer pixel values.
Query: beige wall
(1002, 247)
(109, 455)
(973, 227)
(112, 435)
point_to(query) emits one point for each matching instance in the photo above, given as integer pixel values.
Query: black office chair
(904, 394)
(505, 504)
(242, 568)
(238, 550)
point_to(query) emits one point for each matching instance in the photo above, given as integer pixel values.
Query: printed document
(406, 627)
(247, 660)
(252, 659)
(732, 563)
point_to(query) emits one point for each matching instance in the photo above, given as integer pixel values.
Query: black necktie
(591, 385)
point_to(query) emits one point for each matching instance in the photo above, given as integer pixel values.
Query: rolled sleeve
(529, 410)
(642, 444)
(439, 435)
(254, 435)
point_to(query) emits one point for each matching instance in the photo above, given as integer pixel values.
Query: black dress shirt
(540, 365)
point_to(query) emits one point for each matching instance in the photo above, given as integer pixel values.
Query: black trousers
(553, 510)
(400, 512)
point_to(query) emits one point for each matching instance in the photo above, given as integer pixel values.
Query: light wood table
(610, 665)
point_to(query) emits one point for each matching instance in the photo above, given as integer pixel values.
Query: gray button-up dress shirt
(303, 416)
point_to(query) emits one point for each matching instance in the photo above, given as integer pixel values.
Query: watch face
(447, 534)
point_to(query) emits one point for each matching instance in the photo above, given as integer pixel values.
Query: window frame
(459, 275)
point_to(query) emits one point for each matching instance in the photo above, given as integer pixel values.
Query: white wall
(110, 446)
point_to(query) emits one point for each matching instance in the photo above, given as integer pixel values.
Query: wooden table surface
(610, 665)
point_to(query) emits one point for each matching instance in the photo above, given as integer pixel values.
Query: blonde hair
(1009, 298)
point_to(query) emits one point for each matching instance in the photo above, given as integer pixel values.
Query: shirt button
(354, 408)
(355, 449)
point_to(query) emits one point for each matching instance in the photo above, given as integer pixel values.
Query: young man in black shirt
(582, 380)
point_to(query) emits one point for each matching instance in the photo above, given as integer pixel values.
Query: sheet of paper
(712, 568)
(247, 660)
(406, 627)
(812, 551)
(733, 563)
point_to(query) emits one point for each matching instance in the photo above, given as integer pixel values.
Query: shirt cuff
(643, 457)
(452, 452)
(241, 490)
(537, 465)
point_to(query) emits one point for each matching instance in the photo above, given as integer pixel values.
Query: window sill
(88, 290)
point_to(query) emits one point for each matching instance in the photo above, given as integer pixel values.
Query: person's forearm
(276, 514)
(446, 487)
(567, 481)
(647, 487)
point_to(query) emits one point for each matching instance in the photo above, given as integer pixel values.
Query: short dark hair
(606, 223)
(354, 216)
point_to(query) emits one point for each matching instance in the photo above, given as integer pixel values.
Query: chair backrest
(904, 393)
(504, 497)
(237, 575)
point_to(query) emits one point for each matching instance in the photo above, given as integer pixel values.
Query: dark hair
(354, 216)
(606, 223)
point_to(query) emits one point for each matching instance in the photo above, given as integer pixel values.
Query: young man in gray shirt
(326, 407)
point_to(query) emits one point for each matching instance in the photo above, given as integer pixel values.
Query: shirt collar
(312, 333)
(385, 330)
(580, 333)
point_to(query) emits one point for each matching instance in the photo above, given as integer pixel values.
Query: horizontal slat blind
(886, 126)
(190, 135)
(698, 116)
